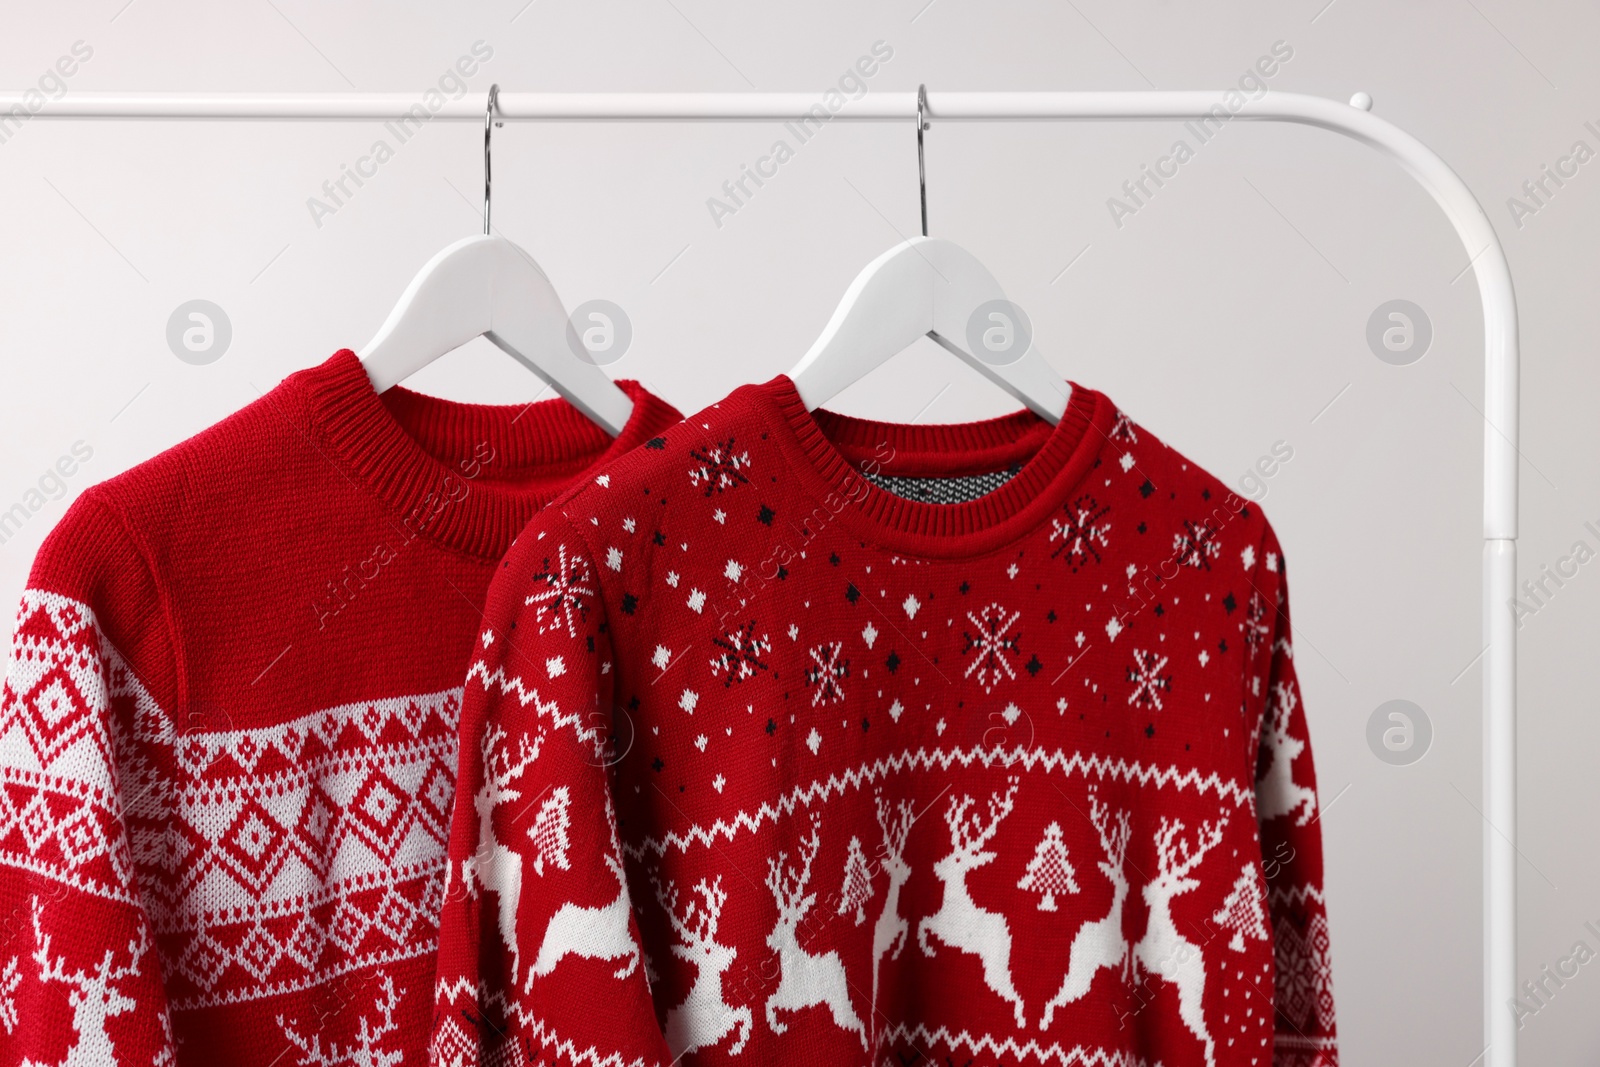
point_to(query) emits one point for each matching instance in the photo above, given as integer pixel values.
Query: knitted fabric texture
(228, 730)
(762, 763)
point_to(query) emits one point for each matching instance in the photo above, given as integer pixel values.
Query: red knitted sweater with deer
(793, 738)
(228, 730)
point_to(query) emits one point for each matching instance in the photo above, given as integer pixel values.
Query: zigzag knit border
(512, 684)
(942, 759)
(1295, 895)
(1076, 1056)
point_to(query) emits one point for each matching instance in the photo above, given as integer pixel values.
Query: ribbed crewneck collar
(828, 450)
(467, 476)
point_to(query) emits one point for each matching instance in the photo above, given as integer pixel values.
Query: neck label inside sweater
(956, 490)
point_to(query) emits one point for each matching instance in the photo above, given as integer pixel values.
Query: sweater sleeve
(92, 672)
(539, 955)
(1291, 837)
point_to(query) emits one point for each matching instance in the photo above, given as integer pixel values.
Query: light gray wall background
(1229, 313)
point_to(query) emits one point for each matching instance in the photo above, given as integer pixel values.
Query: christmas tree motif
(992, 644)
(94, 995)
(549, 831)
(1148, 681)
(1122, 430)
(1098, 945)
(10, 980)
(1049, 872)
(719, 468)
(562, 602)
(1241, 911)
(827, 673)
(857, 888)
(367, 1050)
(741, 654)
(961, 922)
(1081, 533)
(1197, 545)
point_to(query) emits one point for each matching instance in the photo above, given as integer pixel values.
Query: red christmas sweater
(803, 739)
(228, 731)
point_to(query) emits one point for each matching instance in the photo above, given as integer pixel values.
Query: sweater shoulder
(124, 547)
(662, 467)
(1188, 487)
(92, 564)
(215, 473)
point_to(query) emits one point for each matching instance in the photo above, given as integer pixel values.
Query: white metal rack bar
(1482, 246)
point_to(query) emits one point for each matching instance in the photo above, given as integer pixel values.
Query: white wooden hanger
(922, 287)
(485, 286)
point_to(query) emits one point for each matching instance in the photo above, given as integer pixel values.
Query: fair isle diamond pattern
(311, 847)
(267, 859)
(60, 814)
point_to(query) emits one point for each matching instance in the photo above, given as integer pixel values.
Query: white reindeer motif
(704, 1018)
(889, 935)
(1100, 943)
(495, 865)
(596, 933)
(1164, 951)
(1277, 793)
(365, 1052)
(960, 922)
(94, 997)
(805, 980)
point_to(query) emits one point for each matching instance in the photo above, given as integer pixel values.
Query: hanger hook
(922, 171)
(489, 123)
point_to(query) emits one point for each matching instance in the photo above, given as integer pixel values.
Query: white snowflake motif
(719, 468)
(1081, 533)
(1255, 624)
(563, 603)
(827, 673)
(1122, 430)
(992, 645)
(1148, 681)
(741, 655)
(1196, 546)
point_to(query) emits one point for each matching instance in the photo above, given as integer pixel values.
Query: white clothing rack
(1486, 258)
